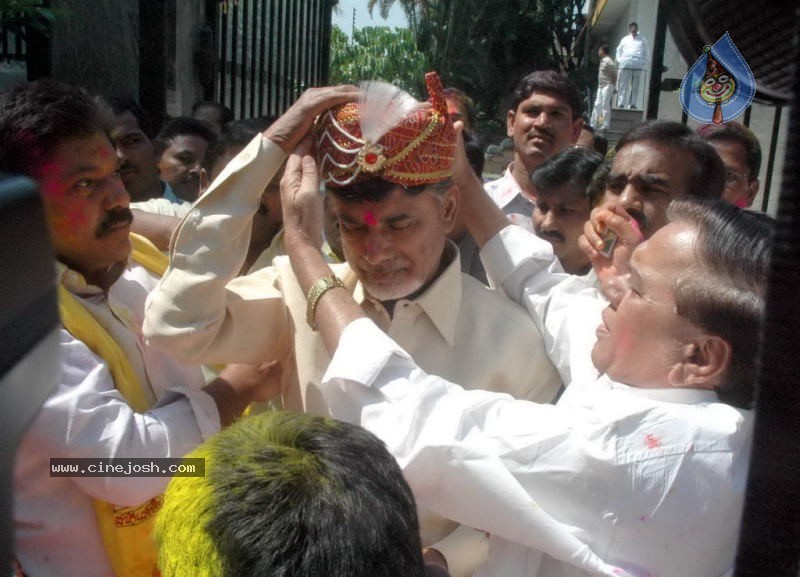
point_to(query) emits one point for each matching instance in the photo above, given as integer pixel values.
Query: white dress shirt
(507, 195)
(201, 312)
(54, 519)
(613, 480)
(632, 52)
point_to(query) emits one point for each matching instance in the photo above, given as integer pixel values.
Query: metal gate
(268, 52)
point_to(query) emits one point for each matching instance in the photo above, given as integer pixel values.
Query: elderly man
(657, 162)
(545, 117)
(116, 397)
(640, 467)
(395, 206)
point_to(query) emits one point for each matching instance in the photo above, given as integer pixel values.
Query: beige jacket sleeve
(200, 312)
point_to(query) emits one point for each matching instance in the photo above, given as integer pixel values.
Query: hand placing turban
(386, 134)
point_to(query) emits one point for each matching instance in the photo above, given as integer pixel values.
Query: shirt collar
(667, 395)
(74, 281)
(441, 301)
(77, 284)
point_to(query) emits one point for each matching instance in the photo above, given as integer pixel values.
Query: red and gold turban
(389, 135)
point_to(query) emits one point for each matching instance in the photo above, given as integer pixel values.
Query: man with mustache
(545, 118)
(563, 206)
(131, 132)
(395, 205)
(640, 467)
(116, 397)
(656, 162)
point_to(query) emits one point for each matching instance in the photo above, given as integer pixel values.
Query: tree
(378, 53)
(485, 46)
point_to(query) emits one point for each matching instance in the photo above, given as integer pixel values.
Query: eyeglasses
(732, 178)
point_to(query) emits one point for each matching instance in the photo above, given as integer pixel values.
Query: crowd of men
(412, 373)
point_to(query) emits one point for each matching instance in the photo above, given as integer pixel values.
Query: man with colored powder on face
(395, 204)
(644, 455)
(545, 117)
(116, 397)
(659, 161)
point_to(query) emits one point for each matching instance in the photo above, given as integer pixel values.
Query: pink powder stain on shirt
(652, 441)
(642, 518)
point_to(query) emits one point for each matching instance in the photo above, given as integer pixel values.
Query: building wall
(96, 45)
(190, 18)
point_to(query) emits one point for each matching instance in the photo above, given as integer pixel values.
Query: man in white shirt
(632, 60)
(638, 471)
(656, 162)
(395, 205)
(116, 397)
(545, 117)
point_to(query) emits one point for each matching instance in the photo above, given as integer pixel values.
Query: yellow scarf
(125, 530)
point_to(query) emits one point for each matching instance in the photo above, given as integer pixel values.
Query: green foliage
(485, 46)
(33, 13)
(378, 53)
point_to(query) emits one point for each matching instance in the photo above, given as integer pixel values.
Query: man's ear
(450, 201)
(752, 191)
(510, 117)
(703, 364)
(203, 180)
(577, 126)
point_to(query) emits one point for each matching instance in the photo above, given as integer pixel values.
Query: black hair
(574, 166)
(376, 189)
(708, 174)
(549, 82)
(225, 113)
(35, 118)
(724, 294)
(122, 104)
(739, 134)
(291, 495)
(235, 135)
(465, 101)
(180, 126)
(475, 156)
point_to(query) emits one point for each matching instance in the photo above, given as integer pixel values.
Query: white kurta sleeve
(565, 308)
(86, 417)
(450, 442)
(200, 311)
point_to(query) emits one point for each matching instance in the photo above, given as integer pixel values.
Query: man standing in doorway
(606, 80)
(632, 58)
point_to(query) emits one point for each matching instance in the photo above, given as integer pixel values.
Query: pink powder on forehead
(369, 218)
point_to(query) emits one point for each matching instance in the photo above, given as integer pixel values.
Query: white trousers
(628, 87)
(601, 113)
